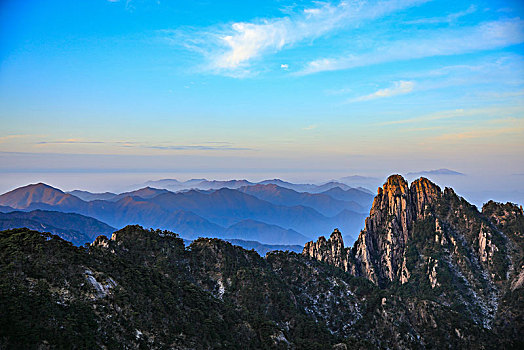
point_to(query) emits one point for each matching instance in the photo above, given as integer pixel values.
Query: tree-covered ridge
(145, 289)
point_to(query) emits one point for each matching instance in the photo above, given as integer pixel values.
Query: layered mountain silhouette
(203, 184)
(436, 172)
(428, 271)
(76, 228)
(40, 193)
(322, 202)
(89, 196)
(266, 213)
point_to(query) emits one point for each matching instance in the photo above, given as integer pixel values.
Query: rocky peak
(330, 251)
(101, 241)
(400, 212)
(380, 247)
(379, 251)
(503, 214)
(424, 193)
(435, 242)
(391, 202)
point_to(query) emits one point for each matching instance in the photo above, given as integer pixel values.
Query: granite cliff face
(330, 251)
(420, 239)
(380, 248)
(378, 253)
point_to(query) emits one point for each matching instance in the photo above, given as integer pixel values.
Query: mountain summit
(24, 197)
(421, 240)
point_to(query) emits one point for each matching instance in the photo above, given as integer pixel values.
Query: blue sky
(315, 89)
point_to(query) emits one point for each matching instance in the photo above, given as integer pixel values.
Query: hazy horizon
(506, 190)
(97, 92)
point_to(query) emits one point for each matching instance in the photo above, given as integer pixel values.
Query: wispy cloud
(203, 146)
(479, 134)
(452, 17)
(8, 138)
(197, 148)
(441, 42)
(310, 127)
(498, 111)
(398, 88)
(233, 48)
(502, 95)
(69, 141)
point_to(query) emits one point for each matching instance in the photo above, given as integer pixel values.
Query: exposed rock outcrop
(452, 289)
(378, 253)
(330, 251)
(436, 243)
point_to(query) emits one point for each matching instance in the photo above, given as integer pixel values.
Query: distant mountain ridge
(23, 197)
(444, 172)
(203, 184)
(79, 229)
(89, 196)
(212, 212)
(321, 202)
(76, 228)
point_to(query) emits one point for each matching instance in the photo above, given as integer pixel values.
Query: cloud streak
(8, 138)
(398, 88)
(198, 148)
(485, 134)
(452, 17)
(461, 113)
(236, 46)
(69, 141)
(204, 146)
(486, 36)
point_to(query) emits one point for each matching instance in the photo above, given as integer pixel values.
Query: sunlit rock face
(330, 251)
(435, 242)
(381, 245)
(378, 252)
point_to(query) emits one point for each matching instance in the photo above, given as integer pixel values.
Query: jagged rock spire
(438, 243)
(381, 245)
(378, 253)
(330, 251)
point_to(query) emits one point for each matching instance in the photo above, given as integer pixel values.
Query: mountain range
(436, 172)
(76, 228)
(204, 184)
(266, 213)
(428, 271)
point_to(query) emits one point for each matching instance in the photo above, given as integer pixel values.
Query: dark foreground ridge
(437, 274)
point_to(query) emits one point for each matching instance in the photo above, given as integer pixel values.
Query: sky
(97, 93)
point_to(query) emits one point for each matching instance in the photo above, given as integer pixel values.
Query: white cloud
(284, 66)
(446, 19)
(399, 88)
(232, 49)
(486, 36)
